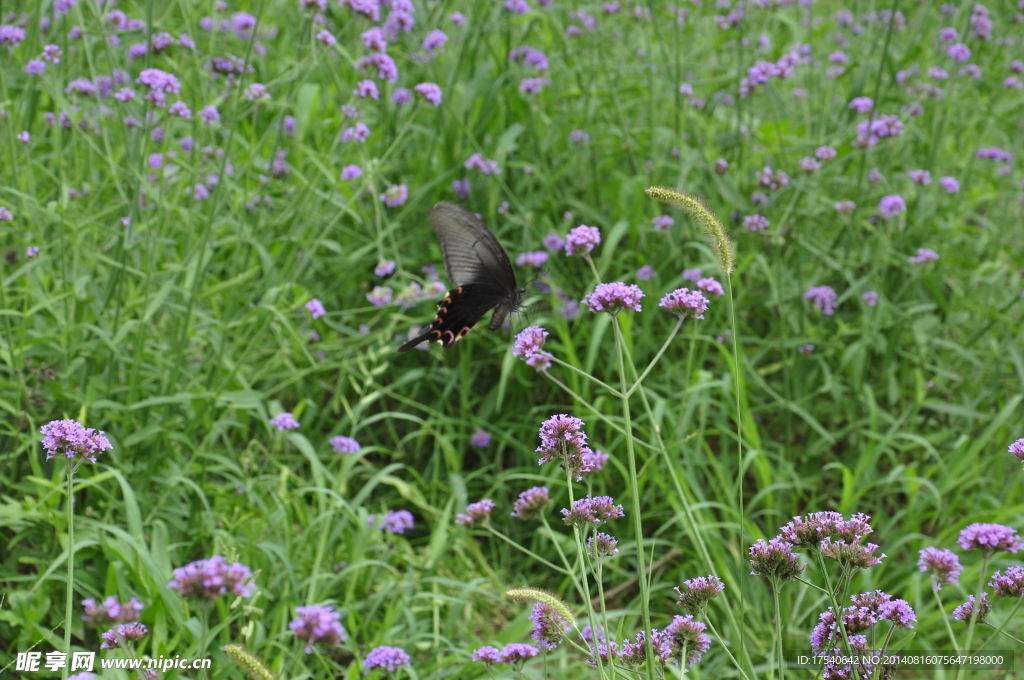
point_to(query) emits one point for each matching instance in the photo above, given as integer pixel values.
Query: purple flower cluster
(772, 179)
(484, 165)
(990, 537)
(480, 439)
(123, 634)
(824, 298)
(923, 255)
(602, 545)
(476, 513)
(592, 511)
(532, 503)
(870, 132)
(69, 438)
(318, 623)
(614, 297)
(284, 421)
(774, 560)
(943, 565)
(549, 628)
(315, 308)
(110, 611)
(581, 240)
(1017, 449)
(698, 592)
(686, 303)
(388, 658)
(512, 654)
(394, 521)
(529, 345)
(211, 578)
(343, 444)
(964, 611)
(867, 610)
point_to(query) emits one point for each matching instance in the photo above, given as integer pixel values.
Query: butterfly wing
(471, 252)
(457, 313)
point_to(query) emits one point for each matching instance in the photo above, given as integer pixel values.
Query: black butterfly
(483, 277)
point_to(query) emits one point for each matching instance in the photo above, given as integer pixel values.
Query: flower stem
(71, 568)
(654, 361)
(604, 620)
(634, 488)
(583, 572)
(999, 630)
(974, 611)
(778, 630)
(945, 618)
(529, 552)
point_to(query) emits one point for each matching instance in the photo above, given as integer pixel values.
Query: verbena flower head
(1010, 584)
(809, 531)
(315, 308)
(602, 545)
(774, 560)
(380, 295)
(528, 346)
(692, 274)
(756, 222)
(697, 592)
(711, 285)
(517, 653)
(646, 273)
(581, 240)
(211, 578)
(343, 444)
(535, 259)
(487, 654)
(851, 554)
(284, 421)
(662, 222)
(484, 165)
(592, 511)
(685, 634)
(950, 184)
(562, 437)
(385, 268)
(429, 91)
(123, 634)
(870, 297)
(69, 438)
(110, 611)
(532, 503)
(398, 521)
(388, 658)
(549, 627)
(923, 255)
(634, 652)
(1017, 449)
(614, 297)
(318, 623)
(844, 207)
(685, 303)
(476, 513)
(964, 611)
(990, 537)
(899, 612)
(892, 205)
(824, 298)
(943, 565)
(159, 81)
(480, 439)
(554, 242)
(395, 195)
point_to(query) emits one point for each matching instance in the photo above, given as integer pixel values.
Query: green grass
(183, 332)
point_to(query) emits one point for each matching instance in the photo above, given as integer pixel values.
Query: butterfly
(480, 269)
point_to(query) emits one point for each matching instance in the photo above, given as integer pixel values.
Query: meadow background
(159, 259)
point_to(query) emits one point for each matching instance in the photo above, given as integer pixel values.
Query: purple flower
(350, 172)
(318, 623)
(327, 38)
(487, 654)
(771, 179)
(964, 611)
(476, 513)
(850, 554)
(70, 438)
(874, 175)
(316, 308)
(401, 96)
(592, 511)
(756, 222)
(808, 164)
(484, 165)
(950, 184)
(923, 255)
(343, 444)
(532, 503)
(989, 537)
(825, 153)
(562, 436)
(698, 592)
(284, 421)
(645, 273)
(922, 177)
(11, 35)
(34, 66)
(395, 195)
(82, 86)
(159, 81)
(380, 296)
(582, 239)
(710, 285)
(384, 268)
(869, 132)
(256, 91)
(480, 439)
(995, 153)
(434, 40)
(685, 634)
(209, 579)
(398, 521)
(527, 346)
(549, 628)
(958, 52)
(891, 206)
(110, 611)
(210, 114)
(684, 303)
(1010, 584)
(602, 545)
(692, 274)
(870, 297)
(388, 658)
(429, 91)
(1017, 449)
(366, 88)
(123, 634)
(31, 252)
(517, 652)
(555, 242)
(458, 19)
(534, 259)
(824, 298)
(774, 560)
(844, 207)
(899, 612)
(662, 222)
(579, 137)
(614, 297)
(461, 187)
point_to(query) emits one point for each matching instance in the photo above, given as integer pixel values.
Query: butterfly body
(481, 272)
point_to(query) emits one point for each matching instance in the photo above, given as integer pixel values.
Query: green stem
(654, 361)
(71, 568)
(945, 618)
(634, 489)
(739, 445)
(527, 551)
(586, 375)
(604, 620)
(735, 661)
(974, 611)
(1000, 631)
(778, 630)
(836, 610)
(1020, 600)
(583, 572)
(561, 554)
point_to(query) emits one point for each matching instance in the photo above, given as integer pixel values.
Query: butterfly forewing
(483, 277)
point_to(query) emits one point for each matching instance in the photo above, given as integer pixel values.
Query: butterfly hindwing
(480, 270)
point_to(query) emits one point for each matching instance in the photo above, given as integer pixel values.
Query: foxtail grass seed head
(696, 593)
(388, 658)
(964, 611)
(532, 503)
(318, 623)
(251, 665)
(943, 565)
(476, 514)
(543, 597)
(703, 216)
